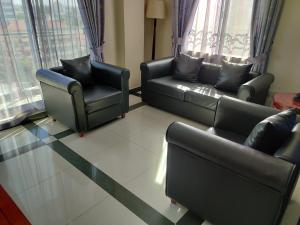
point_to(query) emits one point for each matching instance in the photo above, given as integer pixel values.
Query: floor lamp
(155, 10)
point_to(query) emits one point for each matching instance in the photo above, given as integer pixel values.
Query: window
(60, 34)
(221, 27)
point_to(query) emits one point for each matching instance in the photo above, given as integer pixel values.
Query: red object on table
(10, 214)
(285, 101)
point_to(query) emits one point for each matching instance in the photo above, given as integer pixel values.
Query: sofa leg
(173, 201)
(81, 134)
(123, 115)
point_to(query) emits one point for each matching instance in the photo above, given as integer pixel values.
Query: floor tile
(150, 187)
(14, 138)
(130, 125)
(108, 212)
(124, 161)
(20, 173)
(60, 199)
(53, 127)
(49, 139)
(292, 213)
(134, 100)
(93, 142)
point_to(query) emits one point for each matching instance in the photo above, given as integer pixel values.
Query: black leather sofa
(225, 182)
(81, 108)
(196, 101)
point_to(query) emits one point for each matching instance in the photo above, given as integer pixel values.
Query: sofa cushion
(227, 135)
(187, 68)
(170, 87)
(232, 76)
(98, 97)
(79, 69)
(205, 96)
(268, 135)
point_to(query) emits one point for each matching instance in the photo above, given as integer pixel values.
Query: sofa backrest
(290, 150)
(209, 73)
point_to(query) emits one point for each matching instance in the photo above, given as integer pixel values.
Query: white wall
(163, 35)
(134, 39)
(124, 36)
(285, 56)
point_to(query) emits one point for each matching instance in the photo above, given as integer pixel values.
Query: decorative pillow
(268, 135)
(232, 76)
(187, 68)
(79, 69)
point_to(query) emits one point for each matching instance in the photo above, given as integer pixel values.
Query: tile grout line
(41, 133)
(116, 190)
(120, 193)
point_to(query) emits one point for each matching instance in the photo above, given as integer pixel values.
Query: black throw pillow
(232, 76)
(187, 68)
(79, 69)
(268, 135)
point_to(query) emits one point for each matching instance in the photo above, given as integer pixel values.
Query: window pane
(221, 27)
(60, 35)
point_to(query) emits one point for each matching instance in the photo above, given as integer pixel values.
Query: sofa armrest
(58, 80)
(289, 151)
(156, 68)
(63, 98)
(113, 76)
(239, 116)
(239, 159)
(256, 90)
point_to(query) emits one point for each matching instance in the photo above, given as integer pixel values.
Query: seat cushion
(227, 135)
(205, 96)
(98, 97)
(170, 87)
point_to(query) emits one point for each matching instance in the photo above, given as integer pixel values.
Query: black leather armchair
(84, 108)
(225, 182)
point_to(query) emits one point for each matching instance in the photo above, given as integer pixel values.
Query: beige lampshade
(155, 9)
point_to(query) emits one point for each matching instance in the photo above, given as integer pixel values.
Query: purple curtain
(92, 13)
(184, 13)
(265, 17)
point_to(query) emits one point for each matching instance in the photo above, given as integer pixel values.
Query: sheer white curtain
(221, 28)
(33, 34)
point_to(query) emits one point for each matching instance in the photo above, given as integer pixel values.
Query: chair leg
(173, 201)
(81, 134)
(123, 115)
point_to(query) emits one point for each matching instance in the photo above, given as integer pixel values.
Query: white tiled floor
(15, 138)
(132, 151)
(52, 127)
(60, 199)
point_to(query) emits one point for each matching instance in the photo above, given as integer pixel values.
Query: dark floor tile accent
(21, 150)
(129, 200)
(137, 94)
(190, 219)
(135, 106)
(134, 90)
(64, 134)
(36, 130)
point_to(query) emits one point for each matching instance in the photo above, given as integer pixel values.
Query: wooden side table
(284, 101)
